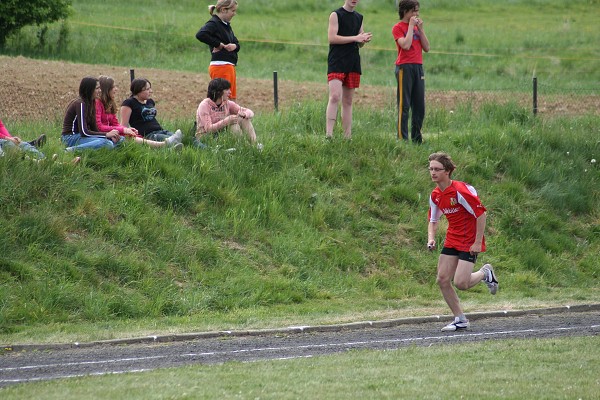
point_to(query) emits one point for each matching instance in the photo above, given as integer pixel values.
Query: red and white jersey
(461, 206)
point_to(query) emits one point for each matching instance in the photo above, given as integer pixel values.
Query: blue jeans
(6, 144)
(77, 142)
(159, 136)
(199, 144)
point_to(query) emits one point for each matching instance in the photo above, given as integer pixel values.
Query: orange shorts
(350, 79)
(225, 71)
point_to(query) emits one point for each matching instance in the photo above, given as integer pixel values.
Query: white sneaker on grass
(177, 137)
(456, 325)
(172, 140)
(490, 278)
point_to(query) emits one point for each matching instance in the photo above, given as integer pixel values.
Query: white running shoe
(179, 135)
(456, 326)
(172, 141)
(490, 278)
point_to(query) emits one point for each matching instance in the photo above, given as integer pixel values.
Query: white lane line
(47, 378)
(70, 364)
(407, 340)
(461, 335)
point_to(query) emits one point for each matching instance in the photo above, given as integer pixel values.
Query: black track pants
(410, 94)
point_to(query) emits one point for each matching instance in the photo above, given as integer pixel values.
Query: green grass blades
(304, 227)
(475, 45)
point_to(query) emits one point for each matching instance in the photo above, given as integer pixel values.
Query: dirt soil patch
(40, 89)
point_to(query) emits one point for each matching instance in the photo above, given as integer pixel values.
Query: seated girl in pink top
(216, 113)
(106, 117)
(9, 141)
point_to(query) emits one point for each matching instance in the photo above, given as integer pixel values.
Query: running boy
(466, 217)
(345, 35)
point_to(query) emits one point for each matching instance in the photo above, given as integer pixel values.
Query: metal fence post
(535, 93)
(275, 91)
(131, 75)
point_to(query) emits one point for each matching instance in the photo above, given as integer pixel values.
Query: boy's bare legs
(447, 266)
(335, 95)
(347, 96)
(464, 278)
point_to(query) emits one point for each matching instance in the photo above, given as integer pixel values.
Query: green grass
(138, 241)
(475, 45)
(304, 231)
(512, 369)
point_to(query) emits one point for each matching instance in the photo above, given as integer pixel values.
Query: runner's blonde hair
(221, 5)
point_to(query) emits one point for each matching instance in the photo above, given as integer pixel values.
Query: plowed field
(41, 89)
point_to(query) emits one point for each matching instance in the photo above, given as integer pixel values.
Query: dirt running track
(66, 361)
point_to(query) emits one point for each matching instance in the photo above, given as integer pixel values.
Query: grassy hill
(139, 241)
(306, 231)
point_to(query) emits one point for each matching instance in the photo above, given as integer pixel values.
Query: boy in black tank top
(346, 36)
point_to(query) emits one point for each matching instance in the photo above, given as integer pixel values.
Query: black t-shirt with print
(143, 116)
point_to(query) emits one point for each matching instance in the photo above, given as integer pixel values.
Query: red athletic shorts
(225, 71)
(350, 79)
